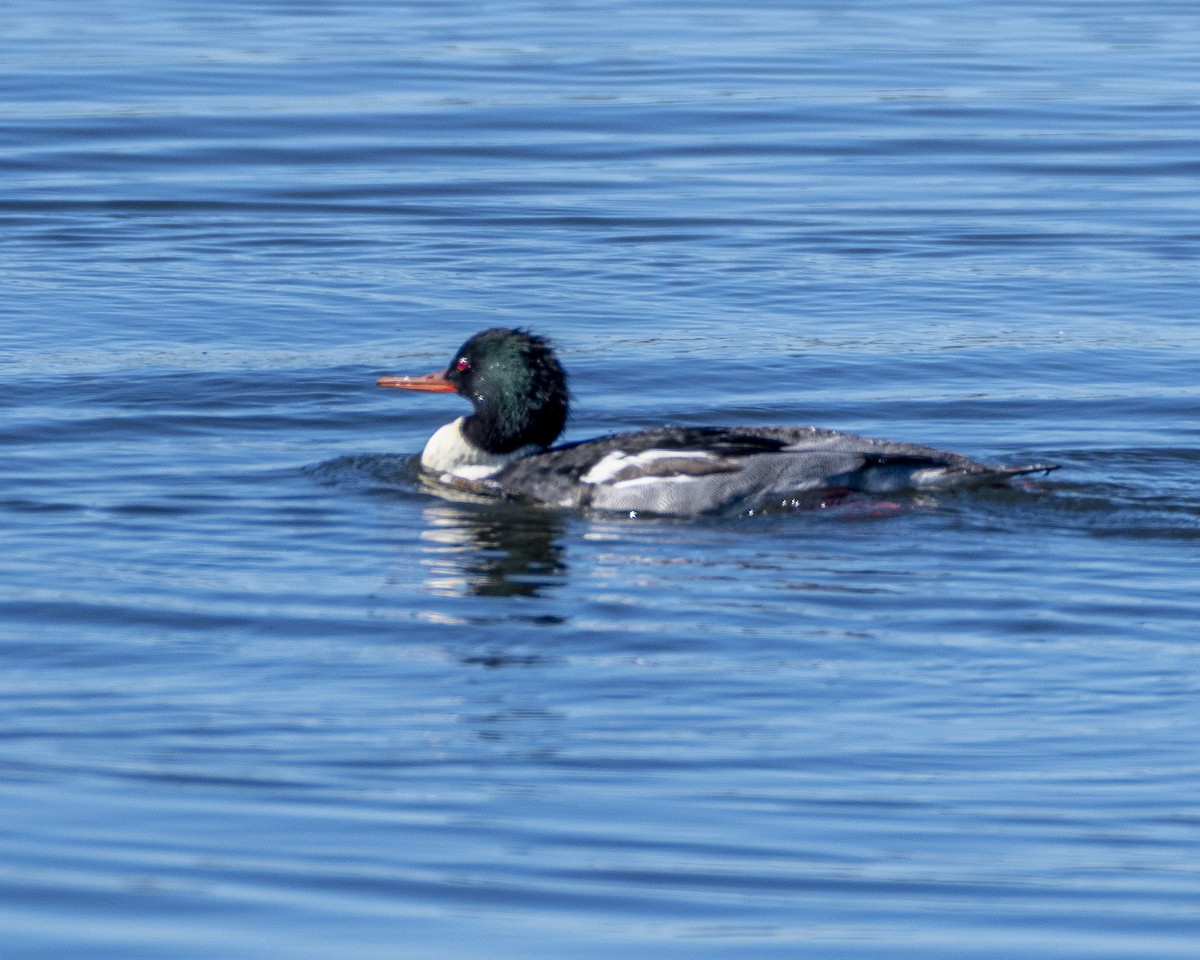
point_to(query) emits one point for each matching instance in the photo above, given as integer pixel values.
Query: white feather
(449, 452)
(617, 462)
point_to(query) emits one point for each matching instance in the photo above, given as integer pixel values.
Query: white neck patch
(448, 451)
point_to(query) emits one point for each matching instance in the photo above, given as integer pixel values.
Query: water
(263, 695)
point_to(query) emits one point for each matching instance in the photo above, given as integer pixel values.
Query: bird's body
(520, 397)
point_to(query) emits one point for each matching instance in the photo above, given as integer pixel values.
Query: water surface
(265, 695)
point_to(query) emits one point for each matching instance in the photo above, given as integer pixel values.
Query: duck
(505, 448)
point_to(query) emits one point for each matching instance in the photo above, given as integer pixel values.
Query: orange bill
(430, 383)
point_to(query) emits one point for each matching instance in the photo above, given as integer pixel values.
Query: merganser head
(514, 382)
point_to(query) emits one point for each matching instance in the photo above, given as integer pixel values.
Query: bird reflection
(491, 550)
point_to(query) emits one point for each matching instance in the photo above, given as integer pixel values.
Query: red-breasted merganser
(519, 391)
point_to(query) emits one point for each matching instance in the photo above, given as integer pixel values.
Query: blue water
(263, 695)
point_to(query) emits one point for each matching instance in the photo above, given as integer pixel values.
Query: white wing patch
(622, 469)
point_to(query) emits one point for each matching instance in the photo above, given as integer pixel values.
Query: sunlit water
(265, 695)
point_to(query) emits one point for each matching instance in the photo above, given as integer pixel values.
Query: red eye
(462, 365)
